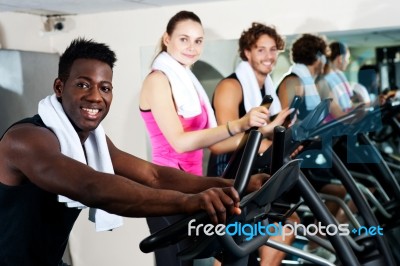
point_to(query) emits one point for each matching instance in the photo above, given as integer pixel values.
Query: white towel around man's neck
(251, 89)
(186, 88)
(98, 156)
(311, 95)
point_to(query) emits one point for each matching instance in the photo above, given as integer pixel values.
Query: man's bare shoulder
(292, 80)
(20, 146)
(231, 82)
(228, 85)
(27, 132)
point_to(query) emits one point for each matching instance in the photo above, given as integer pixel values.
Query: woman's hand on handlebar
(256, 117)
(217, 202)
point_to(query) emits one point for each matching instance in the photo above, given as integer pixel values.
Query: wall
(25, 80)
(128, 31)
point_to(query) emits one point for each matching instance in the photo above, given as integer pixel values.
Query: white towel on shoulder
(186, 88)
(251, 90)
(98, 156)
(340, 88)
(311, 95)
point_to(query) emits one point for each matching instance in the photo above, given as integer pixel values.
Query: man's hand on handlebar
(217, 202)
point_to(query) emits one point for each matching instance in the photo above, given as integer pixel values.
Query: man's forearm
(170, 178)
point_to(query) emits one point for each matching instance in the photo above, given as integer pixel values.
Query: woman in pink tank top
(175, 108)
(178, 114)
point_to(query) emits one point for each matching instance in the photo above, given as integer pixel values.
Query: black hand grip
(267, 101)
(233, 164)
(278, 149)
(250, 152)
(294, 105)
(304, 128)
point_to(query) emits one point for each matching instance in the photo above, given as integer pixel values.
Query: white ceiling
(374, 37)
(73, 7)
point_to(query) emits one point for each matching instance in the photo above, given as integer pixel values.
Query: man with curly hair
(259, 47)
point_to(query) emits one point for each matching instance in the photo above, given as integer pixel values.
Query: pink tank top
(164, 154)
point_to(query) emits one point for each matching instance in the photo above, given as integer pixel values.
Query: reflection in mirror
(368, 46)
(378, 47)
(207, 75)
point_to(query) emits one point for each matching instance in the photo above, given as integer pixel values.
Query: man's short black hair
(86, 49)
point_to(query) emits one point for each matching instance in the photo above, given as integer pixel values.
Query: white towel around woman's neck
(311, 95)
(340, 89)
(251, 89)
(98, 156)
(186, 88)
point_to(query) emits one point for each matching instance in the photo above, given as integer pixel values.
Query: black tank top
(218, 163)
(242, 110)
(34, 226)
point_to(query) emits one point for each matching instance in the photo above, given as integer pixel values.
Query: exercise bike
(255, 208)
